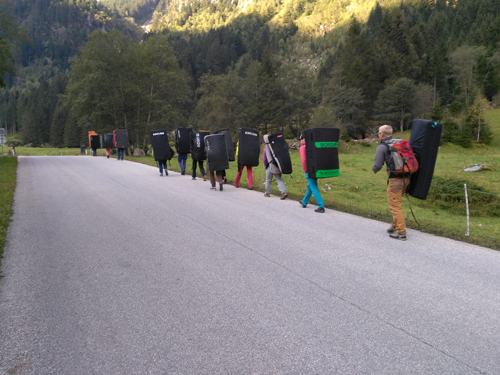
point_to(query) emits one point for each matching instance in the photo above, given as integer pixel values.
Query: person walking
(312, 183)
(240, 172)
(396, 185)
(120, 151)
(162, 164)
(272, 170)
(183, 147)
(198, 153)
(219, 179)
(182, 159)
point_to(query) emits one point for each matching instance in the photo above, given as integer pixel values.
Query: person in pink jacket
(312, 183)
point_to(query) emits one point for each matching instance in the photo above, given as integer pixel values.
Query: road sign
(2, 131)
(3, 140)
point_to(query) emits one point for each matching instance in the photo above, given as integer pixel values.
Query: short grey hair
(386, 130)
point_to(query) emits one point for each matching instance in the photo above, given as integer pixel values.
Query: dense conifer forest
(276, 66)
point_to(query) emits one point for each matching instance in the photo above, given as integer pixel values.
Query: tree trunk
(435, 84)
(402, 121)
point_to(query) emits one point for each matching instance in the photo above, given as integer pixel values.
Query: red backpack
(404, 159)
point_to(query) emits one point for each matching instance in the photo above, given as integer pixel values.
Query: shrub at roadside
(447, 192)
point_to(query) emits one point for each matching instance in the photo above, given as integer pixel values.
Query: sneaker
(220, 186)
(213, 188)
(284, 195)
(397, 236)
(320, 210)
(302, 204)
(205, 178)
(267, 195)
(183, 172)
(391, 230)
(194, 178)
(161, 174)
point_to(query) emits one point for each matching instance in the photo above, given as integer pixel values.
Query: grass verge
(8, 169)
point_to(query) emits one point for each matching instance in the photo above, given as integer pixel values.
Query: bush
(449, 193)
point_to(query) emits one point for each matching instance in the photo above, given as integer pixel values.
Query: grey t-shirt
(380, 156)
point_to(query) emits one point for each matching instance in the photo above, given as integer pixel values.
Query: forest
(273, 66)
(140, 10)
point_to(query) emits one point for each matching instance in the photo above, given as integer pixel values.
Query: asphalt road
(111, 269)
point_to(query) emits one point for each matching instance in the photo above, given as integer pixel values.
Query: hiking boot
(284, 195)
(225, 180)
(236, 186)
(166, 173)
(183, 172)
(267, 195)
(250, 188)
(391, 230)
(205, 178)
(302, 204)
(397, 236)
(220, 186)
(320, 210)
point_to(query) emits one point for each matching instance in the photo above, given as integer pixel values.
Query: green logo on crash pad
(324, 173)
(326, 144)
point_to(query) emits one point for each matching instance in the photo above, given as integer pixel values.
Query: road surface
(111, 269)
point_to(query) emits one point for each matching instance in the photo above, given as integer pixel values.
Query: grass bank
(41, 151)
(8, 169)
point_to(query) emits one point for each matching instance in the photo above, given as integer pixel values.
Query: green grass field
(39, 151)
(358, 191)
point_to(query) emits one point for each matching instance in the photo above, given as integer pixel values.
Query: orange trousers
(395, 191)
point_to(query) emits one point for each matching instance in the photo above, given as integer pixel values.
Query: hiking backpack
(403, 158)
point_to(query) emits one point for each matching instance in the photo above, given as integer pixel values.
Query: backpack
(277, 152)
(404, 160)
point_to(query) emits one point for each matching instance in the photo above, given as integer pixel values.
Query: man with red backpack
(400, 163)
